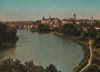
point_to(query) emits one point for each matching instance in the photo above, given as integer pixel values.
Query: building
(53, 22)
(69, 20)
(74, 20)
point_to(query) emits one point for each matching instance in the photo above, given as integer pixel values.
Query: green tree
(71, 29)
(51, 68)
(92, 33)
(43, 27)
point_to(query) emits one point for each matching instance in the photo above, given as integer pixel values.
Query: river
(44, 49)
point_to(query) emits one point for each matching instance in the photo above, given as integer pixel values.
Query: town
(55, 22)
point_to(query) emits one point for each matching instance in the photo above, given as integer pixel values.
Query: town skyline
(23, 10)
(63, 18)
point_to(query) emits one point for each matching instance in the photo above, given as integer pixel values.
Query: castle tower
(43, 18)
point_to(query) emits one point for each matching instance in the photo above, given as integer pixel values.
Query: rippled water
(45, 49)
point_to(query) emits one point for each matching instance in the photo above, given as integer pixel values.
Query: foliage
(7, 33)
(93, 68)
(43, 27)
(92, 33)
(85, 24)
(10, 65)
(71, 29)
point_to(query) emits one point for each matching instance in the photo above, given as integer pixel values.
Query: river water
(44, 49)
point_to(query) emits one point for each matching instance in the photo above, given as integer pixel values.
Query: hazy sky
(36, 9)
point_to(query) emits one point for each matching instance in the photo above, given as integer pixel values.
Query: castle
(55, 22)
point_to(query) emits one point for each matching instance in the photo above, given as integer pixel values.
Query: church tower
(92, 20)
(74, 16)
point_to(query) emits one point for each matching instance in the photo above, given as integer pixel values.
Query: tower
(74, 16)
(43, 18)
(92, 20)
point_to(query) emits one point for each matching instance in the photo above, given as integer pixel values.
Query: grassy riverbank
(94, 65)
(86, 50)
(85, 46)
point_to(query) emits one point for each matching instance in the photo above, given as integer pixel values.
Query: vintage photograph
(49, 35)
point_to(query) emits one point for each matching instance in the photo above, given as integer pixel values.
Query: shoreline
(88, 54)
(90, 57)
(87, 50)
(89, 60)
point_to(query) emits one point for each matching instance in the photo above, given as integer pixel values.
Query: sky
(17, 10)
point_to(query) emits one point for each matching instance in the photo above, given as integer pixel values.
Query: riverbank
(85, 46)
(90, 57)
(95, 63)
(86, 50)
(91, 60)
